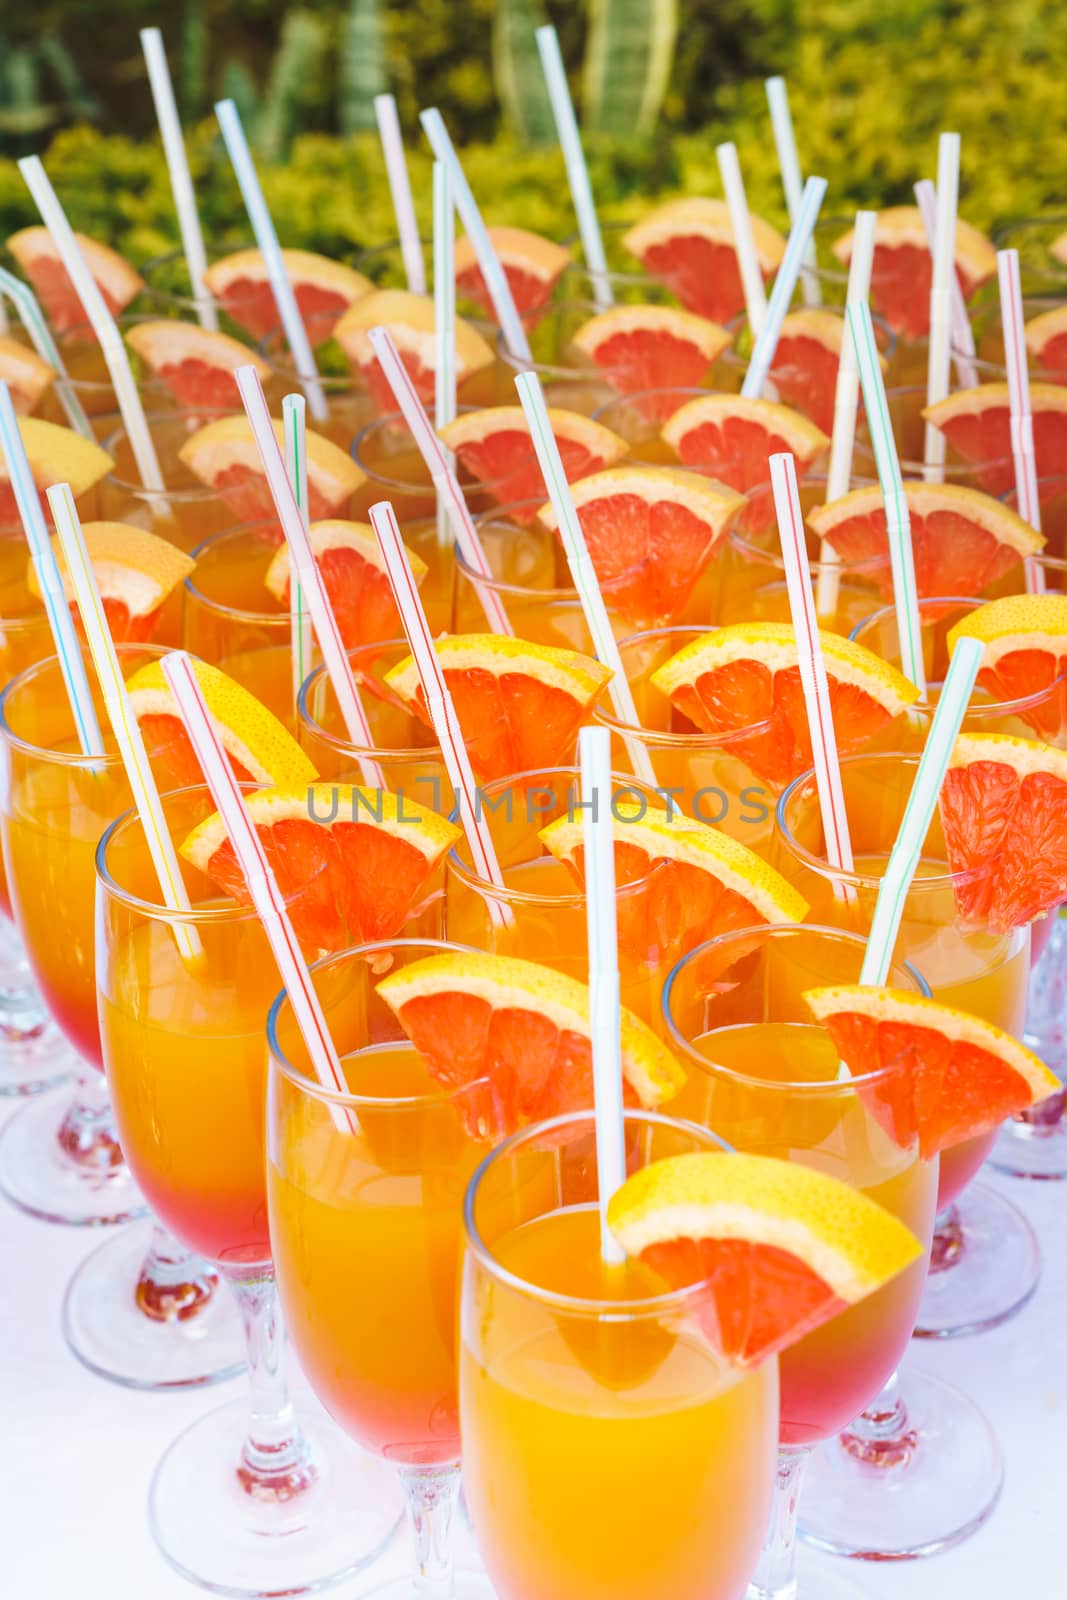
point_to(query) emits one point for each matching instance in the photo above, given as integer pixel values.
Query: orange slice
(135, 571)
(224, 455)
(1024, 639)
(689, 244)
(748, 674)
(25, 374)
(963, 540)
(356, 580)
(36, 255)
(776, 1248)
(977, 424)
(56, 455)
(1004, 817)
(323, 290)
(902, 271)
(521, 1035)
(196, 365)
(532, 265)
(949, 1076)
(519, 705)
(804, 369)
(652, 347)
(732, 437)
(650, 532)
(1046, 340)
(410, 320)
(494, 447)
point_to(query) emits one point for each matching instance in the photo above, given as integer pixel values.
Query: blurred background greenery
(658, 83)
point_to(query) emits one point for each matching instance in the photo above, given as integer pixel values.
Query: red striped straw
(439, 704)
(810, 658)
(267, 898)
(1022, 421)
(441, 472)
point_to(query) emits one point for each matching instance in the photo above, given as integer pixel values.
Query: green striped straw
(32, 318)
(903, 862)
(444, 323)
(897, 515)
(294, 427)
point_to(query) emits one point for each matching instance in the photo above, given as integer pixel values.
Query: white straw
(948, 181)
(784, 284)
(570, 141)
(444, 324)
(792, 182)
(181, 183)
(32, 319)
(396, 169)
(294, 426)
(744, 242)
(963, 351)
(1022, 421)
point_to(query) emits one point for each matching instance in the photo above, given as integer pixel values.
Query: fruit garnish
(804, 369)
(223, 454)
(135, 571)
(1024, 654)
(409, 318)
(977, 424)
(25, 374)
(732, 437)
(354, 573)
(532, 266)
(323, 290)
(495, 448)
(652, 347)
(689, 244)
(56, 455)
(196, 364)
(1046, 339)
(902, 271)
(39, 260)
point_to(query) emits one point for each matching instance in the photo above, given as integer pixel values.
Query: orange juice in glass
(185, 511)
(386, 452)
(569, 377)
(90, 381)
(638, 418)
(349, 404)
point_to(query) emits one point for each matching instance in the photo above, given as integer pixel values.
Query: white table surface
(76, 1453)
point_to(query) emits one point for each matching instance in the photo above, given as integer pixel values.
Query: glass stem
(430, 1494)
(776, 1575)
(948, 1243)
(1046, 1022)
(87, 1134)
(275, 1462)
(883, 1436)
(173, 1283)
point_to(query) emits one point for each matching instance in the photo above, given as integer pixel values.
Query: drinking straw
(594, 751)
(267, 899)
(1022, 421)
(441, 472)
(124, 724)
(948, 182)
(5, 321)
(439, 706)
(396, 169)
(303, 569)
(103, 323)
(897, 514)
(904, 857)
(846, 398)
(784, 284)
(32, 318)
(495, 277)
(294, 427)
(583, 575)
(267, 239)
(793, 184)
(733, 187)
(963, 351)
(570, 141)
(444, 324)
(60, 621)
(181, 183)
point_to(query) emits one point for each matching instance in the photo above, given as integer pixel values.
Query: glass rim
(664, 740)
(341, 742)
(351, 383)
(221, 607)
(185, 492)
(64, 758)
(391, 418)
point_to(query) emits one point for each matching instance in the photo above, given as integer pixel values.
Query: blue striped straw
(784, 285)
(570, 142)
(32, 318)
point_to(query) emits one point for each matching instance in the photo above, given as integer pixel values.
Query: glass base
(34, 1061)
(62, 1175)
(464, 1586)
(200, 1342)
(1031, 1149)
(817, 1578)
(993, 1275)
(942, 1490)
(220, 1537)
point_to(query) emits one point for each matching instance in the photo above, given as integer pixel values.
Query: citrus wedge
(977, 424)
(355, 577)
(26, 375)
(777, 1247)
(1024, 639)
(410, 320)
(652, 347)
(748, 674)
(223, 454)
(38, 259)
(532, 266)
(902, 270)
(689, 244)
(522, 1034)
(732, 437)
(196, 364)
(1046, 340)
(495, 448)
(323, 289)
(56, 455)
(135, 571)
(804, 369)
(519, 705)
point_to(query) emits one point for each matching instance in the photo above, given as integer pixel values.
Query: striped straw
(733, 187)
(583, 575)
(495, 277)
(937, 369)
(784, 284)
(396, 170)
(294, 427)
(570, 141)
(124, 724)
(441, 472)
(1022, 421)
(444, 323)
(897, 514)
(181, 183)
(304, 570)
(60, 621)
(32, 319)
(267, 898)
(594, 750)
(918, 814)
(789, 162)
(439, 706)
(267, 239)
(103, 323)
(963, 351)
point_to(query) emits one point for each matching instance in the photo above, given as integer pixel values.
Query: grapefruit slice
(977, 424)
(519, 705)
(356, 580)
(196, 365)
(747, 674)
(532, 265)
(950, 1076)
(1004, 817)
(36, 255)
(732, 437)
(26, 375)
(1046, 340)
(135, 571)
(223, 454)
(689, 245)
(56, 455)
(652, 348)
(902, 271)
(495, 448)
(804, 369)
(1024, 639)
(260, 748)
(963, 540)
(776, 1248)
(323, 290)
(410, 320)
(522, 1034)
(650, 532)
(352, 862)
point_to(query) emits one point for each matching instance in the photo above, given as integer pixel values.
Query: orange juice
(185, 511)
